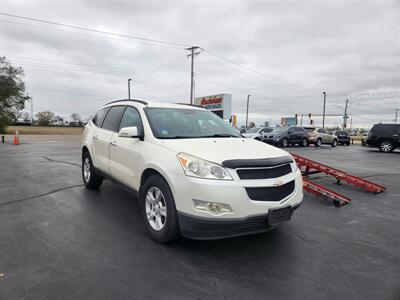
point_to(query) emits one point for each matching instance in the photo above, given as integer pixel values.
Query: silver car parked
(319, 136)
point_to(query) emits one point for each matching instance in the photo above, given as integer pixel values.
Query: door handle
(113, 143)
(95, 137)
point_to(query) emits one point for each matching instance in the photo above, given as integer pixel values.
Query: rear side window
(99, 116)
(299, 129)
(131, 118)
(113, 117)
(383, 129)
(321, 130)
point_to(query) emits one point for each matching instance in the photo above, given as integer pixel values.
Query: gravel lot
(61, 241)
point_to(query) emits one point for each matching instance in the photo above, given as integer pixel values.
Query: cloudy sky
(282, 53)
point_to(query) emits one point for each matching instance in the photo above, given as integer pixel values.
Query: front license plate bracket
(276, 216)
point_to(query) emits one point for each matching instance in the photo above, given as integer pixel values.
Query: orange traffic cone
(16, 140)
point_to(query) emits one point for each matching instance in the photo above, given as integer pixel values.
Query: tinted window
(113, 117)
(99, 116)
(299, 129)
(267, 130)
(131, 118)
(341, 132)
(321, 130)
(253, 130)
(386, 129)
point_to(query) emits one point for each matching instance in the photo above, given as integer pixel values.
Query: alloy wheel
(156, 209)
(386, 147)
(86, 169)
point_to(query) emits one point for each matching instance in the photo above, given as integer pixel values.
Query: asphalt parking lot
(61, 241)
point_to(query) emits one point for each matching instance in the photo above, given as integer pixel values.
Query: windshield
(253, 130)
(279, 129)
(172, 123)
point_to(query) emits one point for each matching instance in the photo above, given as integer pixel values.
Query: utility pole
(323, 114)
(192, 54)
(345, 115)
(247, 110)
(31, 109)
(395, 117)
(129, 88)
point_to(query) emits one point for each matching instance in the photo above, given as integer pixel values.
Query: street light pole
(323, 114)
(129, 88)
(345, 115)
(247, 110)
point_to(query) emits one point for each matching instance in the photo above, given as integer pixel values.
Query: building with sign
(288, 121)
(220, 104)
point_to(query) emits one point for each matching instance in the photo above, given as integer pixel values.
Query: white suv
(194, 174)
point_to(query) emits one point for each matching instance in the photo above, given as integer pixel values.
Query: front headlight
(295, 167)
(200, 168)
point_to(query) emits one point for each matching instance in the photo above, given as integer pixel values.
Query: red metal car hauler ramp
(312, 167)
(319, 190)
(308, 167)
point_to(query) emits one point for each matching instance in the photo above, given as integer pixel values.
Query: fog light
(212, 207)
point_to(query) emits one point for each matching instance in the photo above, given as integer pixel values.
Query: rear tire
(90, 178)
(386, 146)
(157, 207)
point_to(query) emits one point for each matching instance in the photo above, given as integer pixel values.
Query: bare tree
(76, 118)
(45, 117)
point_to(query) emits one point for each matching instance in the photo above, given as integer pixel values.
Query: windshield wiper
(219, 135)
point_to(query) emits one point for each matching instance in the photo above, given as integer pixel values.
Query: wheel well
(384, 140)
(84, 150)
(146, 174)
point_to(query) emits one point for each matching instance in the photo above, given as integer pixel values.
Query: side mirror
(129, 132)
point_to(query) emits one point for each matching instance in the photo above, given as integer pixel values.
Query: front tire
(90, 178)
(386, 146)
(157, 207)
(318, 143)
(284, 143)
(334, 143)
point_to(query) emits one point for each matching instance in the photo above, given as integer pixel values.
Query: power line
(284, 83)
(166, 43)
(161, 42)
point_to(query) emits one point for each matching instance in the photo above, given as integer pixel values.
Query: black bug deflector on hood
(254, 163)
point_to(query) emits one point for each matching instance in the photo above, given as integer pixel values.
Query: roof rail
(195, 105)
(133, 100)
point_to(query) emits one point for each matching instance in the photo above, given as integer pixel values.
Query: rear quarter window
(98, 118)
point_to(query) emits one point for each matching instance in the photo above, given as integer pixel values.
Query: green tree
(12, 93)
(44, 118)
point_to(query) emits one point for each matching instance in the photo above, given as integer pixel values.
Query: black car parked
(285, 136)
(343, 137)
(384, 136)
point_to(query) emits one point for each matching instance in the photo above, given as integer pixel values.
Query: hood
(219, 149)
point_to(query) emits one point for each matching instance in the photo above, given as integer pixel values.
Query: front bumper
(207, 228)
(247, 216)
(273, 141)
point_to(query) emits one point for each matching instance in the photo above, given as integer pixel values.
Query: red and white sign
(220, 104)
